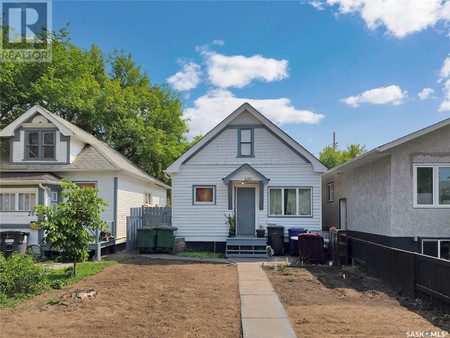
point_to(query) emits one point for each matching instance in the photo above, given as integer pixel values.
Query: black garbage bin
(13, 241)
(275, 236)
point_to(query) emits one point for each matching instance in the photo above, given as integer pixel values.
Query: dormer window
(40, 145)
(245, 142)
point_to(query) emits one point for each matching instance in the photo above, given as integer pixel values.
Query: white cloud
(186, 79)
(239, 71)
(445, 70)
(319, 5)
(217, 104)
(399, 17)
(391, 94)
(425, 93)
(445, 105)
(218, 42)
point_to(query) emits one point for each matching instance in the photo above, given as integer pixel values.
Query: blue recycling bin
(293, 243)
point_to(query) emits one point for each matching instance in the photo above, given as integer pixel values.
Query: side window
(245, 142)
(148, 198)
(432, 186)
(330, 192)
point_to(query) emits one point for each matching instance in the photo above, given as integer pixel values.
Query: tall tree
(331, 156)
(109, 96)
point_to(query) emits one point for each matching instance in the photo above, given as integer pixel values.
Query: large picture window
(432, 186)
(40, 145)
(290, 201)
(204, 195)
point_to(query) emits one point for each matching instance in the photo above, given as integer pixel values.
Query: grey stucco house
(397, 194)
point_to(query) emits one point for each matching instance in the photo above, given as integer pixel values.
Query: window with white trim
(290, 201)
(439, 248)
(330, 192)
(432, 186)
(204, 195)
(148, 198)
(25, 201)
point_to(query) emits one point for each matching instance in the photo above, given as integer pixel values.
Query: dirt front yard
(322, 303)
(136, 298)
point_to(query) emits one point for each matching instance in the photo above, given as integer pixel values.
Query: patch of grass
(53, 301)
(61, 277)
(200, 254)
(39, 278)
(291, 278)
(349, 268)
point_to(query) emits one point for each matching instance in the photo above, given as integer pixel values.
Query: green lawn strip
(57, 279)
(200, 254)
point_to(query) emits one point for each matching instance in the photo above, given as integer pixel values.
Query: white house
(397, 194)
(246, 166)
(45, 148)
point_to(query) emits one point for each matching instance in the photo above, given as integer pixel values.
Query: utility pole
(334, 141)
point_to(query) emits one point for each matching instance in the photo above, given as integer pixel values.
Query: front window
(290, 202)
(432, 186)
(25, 201)
(204, 195)
(439, 248)
(245, 140)
(40, 145)
(330, 192)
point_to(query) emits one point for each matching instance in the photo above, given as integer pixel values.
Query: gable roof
(275, 130)
(381, 151)
(246, 166)
(96, 155)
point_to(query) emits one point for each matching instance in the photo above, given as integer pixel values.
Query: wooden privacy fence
(144, 216)
(419, 275)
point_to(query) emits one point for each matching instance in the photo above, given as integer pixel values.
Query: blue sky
(346, 66)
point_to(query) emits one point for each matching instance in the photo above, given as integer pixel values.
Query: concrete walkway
(262, 314)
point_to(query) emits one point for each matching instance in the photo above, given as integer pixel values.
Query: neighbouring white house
(43, 148)
(249, 167)
(397, 194)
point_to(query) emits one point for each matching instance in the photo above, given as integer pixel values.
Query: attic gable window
(245, 142)
(40, 145)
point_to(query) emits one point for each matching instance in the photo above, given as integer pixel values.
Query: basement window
(439, 248)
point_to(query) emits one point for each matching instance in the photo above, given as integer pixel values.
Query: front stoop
(262, 313)
(246, 247)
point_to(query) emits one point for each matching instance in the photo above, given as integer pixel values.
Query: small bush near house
(20, 278)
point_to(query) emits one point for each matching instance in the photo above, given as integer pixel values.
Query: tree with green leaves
(108, 95)
(331, 156)
(71, 225)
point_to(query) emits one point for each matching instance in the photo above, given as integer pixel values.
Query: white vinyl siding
(18, 148)
(198, 223)
(131, 194)
(267, 150)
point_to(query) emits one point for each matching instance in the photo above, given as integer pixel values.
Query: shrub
(20, 276)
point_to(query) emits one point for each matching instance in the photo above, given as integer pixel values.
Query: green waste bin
(146, 238)
(165, 238)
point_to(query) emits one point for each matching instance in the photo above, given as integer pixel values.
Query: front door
(343, 214)
(245, 204)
